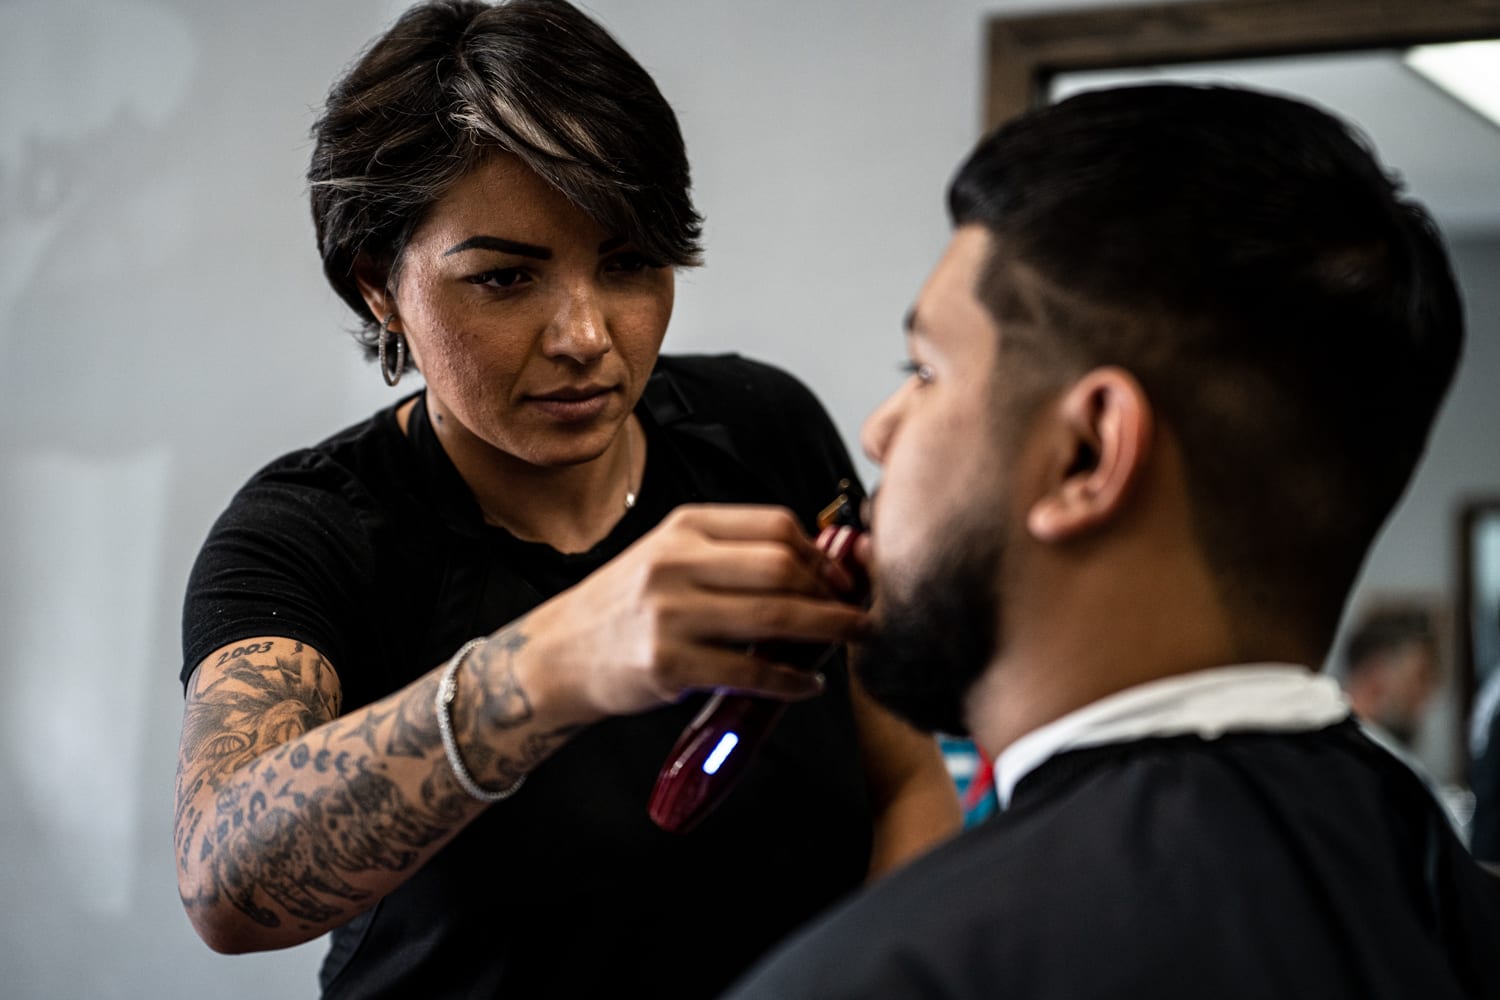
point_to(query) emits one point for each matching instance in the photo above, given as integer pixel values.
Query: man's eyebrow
(909, 325)
(613, 243)
(500, 244)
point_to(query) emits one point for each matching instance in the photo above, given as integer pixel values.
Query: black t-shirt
(370, 548)
(1250, 867)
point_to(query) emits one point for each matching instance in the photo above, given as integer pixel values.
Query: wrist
(530, 676)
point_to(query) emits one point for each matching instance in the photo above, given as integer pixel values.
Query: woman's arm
(292, 818)
(914, 799)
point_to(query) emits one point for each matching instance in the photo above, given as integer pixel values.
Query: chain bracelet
(443, 704)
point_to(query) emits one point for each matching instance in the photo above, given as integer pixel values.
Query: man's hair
(1291, 315)
(455, 81)
(1387, 630)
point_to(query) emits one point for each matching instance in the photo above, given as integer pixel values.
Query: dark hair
(1290, 313)
(1386, 630)
(455, 81)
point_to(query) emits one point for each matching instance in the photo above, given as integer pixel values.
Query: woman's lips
(571, 405)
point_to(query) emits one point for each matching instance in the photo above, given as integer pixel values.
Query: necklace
(629, 467)
(630, 487)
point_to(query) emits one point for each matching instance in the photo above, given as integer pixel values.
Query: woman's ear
(372, 279)
(1102, 443)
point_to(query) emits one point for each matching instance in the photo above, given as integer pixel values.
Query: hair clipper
(716, 748)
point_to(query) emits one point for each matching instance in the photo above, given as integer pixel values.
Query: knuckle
(669, 617)
(659, 572)
(788, 568)
(685, 516)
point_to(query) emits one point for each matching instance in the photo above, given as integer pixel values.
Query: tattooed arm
(291, 819)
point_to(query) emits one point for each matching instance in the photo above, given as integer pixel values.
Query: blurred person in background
(1391, 671)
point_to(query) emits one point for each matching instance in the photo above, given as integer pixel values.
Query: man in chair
(1168, 380)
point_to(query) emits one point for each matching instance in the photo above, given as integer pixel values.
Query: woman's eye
(503, 277)
(629, 262)
(915, 369)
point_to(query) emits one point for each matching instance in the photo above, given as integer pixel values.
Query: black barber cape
(1254, 865)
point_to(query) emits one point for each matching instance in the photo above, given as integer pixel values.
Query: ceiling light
(1470, 71)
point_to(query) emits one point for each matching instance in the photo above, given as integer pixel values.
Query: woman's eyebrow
(502, 245)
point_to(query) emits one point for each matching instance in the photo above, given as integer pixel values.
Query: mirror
(1478, 601)
(1347, 56)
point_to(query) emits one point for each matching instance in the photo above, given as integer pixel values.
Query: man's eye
(503, 277)
(922, 373)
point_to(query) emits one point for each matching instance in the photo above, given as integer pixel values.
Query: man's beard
(936, 630)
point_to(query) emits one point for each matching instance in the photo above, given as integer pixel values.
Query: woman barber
(576, 537)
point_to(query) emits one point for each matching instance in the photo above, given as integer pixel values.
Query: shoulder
(770, 414)
(768, 419)
(1132, 850)
(345, 470)
(729, 384)
(934, 928)
(297, 549)
(323, 506)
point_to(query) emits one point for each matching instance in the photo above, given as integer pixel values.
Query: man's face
(939, 518)
(1412, 676)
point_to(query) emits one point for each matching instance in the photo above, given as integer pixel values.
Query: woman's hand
(677, 611)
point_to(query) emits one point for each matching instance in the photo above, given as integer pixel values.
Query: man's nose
(875, 435)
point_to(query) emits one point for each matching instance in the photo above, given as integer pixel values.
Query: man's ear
(1100, 447)
(372, 279)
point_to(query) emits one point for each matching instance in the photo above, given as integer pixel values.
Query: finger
(759, 566)
(823, 557)
(722, 617)
(745, 522)
(836, 543)
(719, 668)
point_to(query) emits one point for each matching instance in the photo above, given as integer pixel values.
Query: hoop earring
(387, 372)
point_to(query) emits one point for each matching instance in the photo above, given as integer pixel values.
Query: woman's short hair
(455, 81)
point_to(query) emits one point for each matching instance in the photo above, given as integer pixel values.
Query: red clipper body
(717, 746)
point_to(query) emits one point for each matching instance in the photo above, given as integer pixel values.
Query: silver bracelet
(443, 704)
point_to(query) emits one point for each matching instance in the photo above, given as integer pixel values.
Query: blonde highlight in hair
(454, 82)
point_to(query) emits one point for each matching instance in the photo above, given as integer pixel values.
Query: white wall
(164, 330)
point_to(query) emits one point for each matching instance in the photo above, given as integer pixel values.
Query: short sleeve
(290, 556)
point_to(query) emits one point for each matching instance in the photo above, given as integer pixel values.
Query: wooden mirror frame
(1472, 514)
(1026, 52)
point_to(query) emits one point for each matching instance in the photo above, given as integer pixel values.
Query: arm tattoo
(501, 705)
(304, 804)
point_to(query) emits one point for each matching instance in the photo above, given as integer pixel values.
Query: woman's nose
(579, 329)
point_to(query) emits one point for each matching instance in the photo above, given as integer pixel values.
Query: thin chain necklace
(630, 488)
(629, 467)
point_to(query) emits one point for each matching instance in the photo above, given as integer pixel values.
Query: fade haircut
(455, 81)
(1290, 313)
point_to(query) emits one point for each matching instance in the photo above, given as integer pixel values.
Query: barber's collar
(1266, 697)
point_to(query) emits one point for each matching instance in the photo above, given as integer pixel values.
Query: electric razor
(716, 748)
